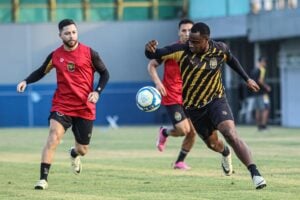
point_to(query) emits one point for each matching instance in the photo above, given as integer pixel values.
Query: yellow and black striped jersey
(201, 73)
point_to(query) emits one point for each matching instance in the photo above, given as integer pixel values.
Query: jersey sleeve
(41, 71)
(100, 67)
(173, 52)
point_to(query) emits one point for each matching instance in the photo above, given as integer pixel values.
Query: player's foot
(161, 140)
(75, 164)
(181, 165)
(227, 164)
(41, 185)
(259, 182)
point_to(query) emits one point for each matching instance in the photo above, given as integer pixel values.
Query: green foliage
(124, 164)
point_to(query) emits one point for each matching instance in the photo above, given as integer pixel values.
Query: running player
(170, 88)
(204, 97)
(74, 101)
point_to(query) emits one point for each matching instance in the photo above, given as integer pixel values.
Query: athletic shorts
(262, 102)
(81, 128)
(176, 113)
(207, 118)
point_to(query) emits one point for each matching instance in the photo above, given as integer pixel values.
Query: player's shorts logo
(224, 112)
(59, 114)
(213, 63)
(71, 67)
(177, 116)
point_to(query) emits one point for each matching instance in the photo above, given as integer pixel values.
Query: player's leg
(222, 117)
(180, 125)
(187, 144)
(58, 125)
(208, 133)
(82, 130)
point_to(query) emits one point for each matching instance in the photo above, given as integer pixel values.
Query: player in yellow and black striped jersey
(200, 61)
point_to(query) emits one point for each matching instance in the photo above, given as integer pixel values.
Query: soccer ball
(148, 99)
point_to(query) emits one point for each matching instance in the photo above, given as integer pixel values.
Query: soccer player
(262, 100)
(74, 101)
(170, 88)
(204, 99)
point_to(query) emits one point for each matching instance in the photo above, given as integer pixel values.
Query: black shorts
(82, 128)
(176, 113)
(207, 118)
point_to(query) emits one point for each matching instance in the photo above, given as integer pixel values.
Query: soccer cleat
(181, 165)
(259, 182)
(75, 164)
(41, 185)
(161, 140)
(227, 164)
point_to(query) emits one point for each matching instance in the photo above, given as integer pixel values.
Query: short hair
(65, 22)
(185, 21)
(262, 58)
(202, 28)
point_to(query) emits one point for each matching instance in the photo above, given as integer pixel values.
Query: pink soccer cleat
(161, 140)
(181, 165)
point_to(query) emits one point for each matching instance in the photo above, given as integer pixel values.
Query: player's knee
(184, 130)
(82, 150)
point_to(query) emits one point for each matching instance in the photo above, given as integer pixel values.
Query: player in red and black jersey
(74, 101)
(204, 97)
(171, 90)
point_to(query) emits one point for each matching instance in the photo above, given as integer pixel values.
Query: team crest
(71, 67)
(177, 116)
(224, 112)
(213, 63)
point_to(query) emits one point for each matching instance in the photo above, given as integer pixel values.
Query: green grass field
(124, 164)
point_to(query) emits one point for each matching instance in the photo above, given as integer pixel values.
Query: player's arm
(173, 52)
(103, 79)
(152, 65)
(37, 74)
(237, 67)
(233, 62)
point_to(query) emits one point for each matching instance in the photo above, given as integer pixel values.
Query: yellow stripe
(204, 96)
(173, 56)
(198, 88)
(49, 67)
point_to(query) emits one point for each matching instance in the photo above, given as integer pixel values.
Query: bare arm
(152, 65)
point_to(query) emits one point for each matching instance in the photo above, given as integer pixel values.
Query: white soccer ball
(148, 99)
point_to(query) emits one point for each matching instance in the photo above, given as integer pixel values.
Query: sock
(73, 153)
(44, 171)
(226, 151)
(253, 170)
(165, 132)
(182, 155)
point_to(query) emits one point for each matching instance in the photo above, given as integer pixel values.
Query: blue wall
(32, 107)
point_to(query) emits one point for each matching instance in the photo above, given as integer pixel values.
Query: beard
(71, 43)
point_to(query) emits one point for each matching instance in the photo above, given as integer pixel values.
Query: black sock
(73, 153)
(44, 171)
(182, 155)
(226, 151)
(253, 170)
(164, 132)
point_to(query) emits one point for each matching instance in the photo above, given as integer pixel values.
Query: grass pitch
(124, 164)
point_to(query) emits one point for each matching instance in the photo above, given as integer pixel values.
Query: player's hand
(93, 97)
(21, 86)
(151, 46)
(161, 88)
(268, 88)
(252, 85)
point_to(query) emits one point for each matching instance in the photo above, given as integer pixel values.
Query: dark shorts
(207, 118)
(81, 128)
(176, 113)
